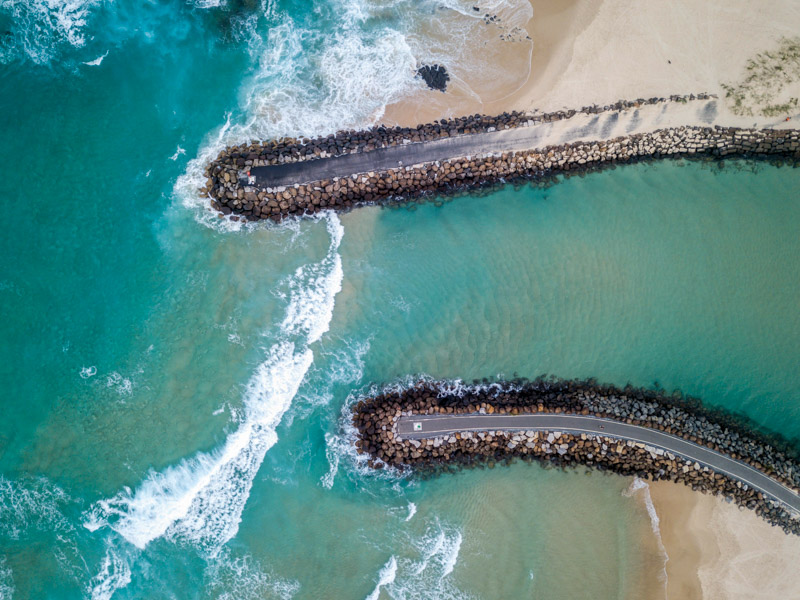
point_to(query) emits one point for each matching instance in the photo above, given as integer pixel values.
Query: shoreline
(602, 49)
(717, 550)
(597, 51)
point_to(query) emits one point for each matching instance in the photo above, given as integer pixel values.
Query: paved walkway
(428, 426)
(583, 127)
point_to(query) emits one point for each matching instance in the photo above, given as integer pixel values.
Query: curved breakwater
(302, 177)
(382, 423)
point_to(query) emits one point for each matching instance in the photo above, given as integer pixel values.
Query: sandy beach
(614, 49)
(599, 51)
(718, 551)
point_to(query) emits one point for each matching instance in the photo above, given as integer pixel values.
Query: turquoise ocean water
(176, 387)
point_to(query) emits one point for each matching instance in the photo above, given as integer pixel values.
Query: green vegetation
(768, 75)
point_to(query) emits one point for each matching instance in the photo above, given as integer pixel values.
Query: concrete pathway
(581, 127)
(429, 426)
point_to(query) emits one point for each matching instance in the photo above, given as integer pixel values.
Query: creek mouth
(435, 426)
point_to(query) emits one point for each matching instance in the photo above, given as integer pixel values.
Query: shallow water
(176, 387)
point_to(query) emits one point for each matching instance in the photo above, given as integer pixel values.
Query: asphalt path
(381, 159)
(429, 426)
(580, 127)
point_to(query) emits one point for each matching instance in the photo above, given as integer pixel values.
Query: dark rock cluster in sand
(435, 76)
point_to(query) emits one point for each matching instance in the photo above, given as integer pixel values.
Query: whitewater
(201, 499)
(179, 386)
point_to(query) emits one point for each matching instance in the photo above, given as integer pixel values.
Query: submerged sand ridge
(388, 165)
(428, 426)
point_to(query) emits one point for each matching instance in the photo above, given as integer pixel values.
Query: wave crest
(201, 499)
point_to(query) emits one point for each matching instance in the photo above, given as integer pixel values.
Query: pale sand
(619, 49)
(599, 51)
(717, 551)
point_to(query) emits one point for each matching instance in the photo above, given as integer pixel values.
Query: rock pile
(234, 159)
(435, 76)
(231, 194)
(375, 420)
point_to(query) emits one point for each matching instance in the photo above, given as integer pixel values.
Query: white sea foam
(341, 447)
(311, 309)
(33, 508)
(341, 74)
(208, 3)
(344, 366)
(114, 574)
(440, 549)
(6, 580)
(640, 485)
(97, 61)
(201, 499)
(243, 578)
(178, 152)
(386, 576)
(355, 70)
(347, 364)
(40, 27)
(122, 385)
(335, 448)
(32, 504)
(412, 510)
(87, 372)
(430, 574)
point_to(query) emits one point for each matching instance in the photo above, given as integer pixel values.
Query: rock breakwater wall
(375, 420)
(230, 193)
(274, 152)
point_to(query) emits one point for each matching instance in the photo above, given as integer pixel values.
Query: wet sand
(718, 551)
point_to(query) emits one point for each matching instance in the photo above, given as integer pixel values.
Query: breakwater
(305, 177)
(376, 420)
(289, 150)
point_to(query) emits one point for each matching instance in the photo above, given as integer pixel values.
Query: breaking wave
(114, 574)
(243, 578)
(343, 68)
(385, 577)
(641, 486)
(40, 28)
(412, 510)
(201, 499)
(308, 82)
(428, 575)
